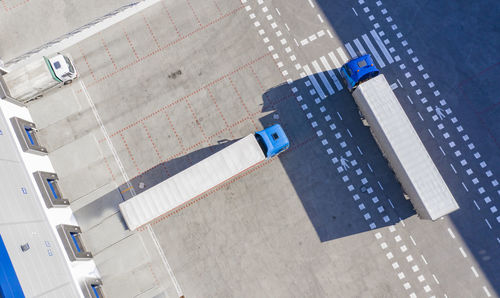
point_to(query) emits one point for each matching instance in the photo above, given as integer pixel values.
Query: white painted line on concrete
(339, 115)
(442, 151)
(329, 33)
(360, 47)
(320, 18)
(474, 271)
(453, 168)
(129, 185)
(369, 167)
(373, 51)
(435, 278)
(331, 73)
(359, 149)
(382, 47)
(349, 132)
(463, 184)
(351, 51)
(430, 132)
(451, 233)
(342, 55)
(399, 82)
(463, 252)
(277, 11)
(354, 11)
(419, 115)
(322, 76)
(287, 28)
(413, 241)
(425, 261)
(486, 291)
(411, 101)
(314, 81)
(390, 202)
(335, 61)
(311, 3)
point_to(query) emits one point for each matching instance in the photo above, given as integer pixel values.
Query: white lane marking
(390, 202)
(342, 55)
(451, 233)
(382, 47)
(329, 33)
(129, 185)
(411, 101)
(380, 185)
(311, 3)
(463, 252)
(425, 261)
(320, 18)
(371, 170)
(351, 51)
(442, 151)
(277, 11)
(331, 73)
(474, 271)
(401, 85)
(420, 115)
(488, 223)
(354, 11)
(349, 132)
(453, 168)
(314, 81)
(413, 241)
(334, 60)
(339, 115)
(463, 184)
(322, 76)
(486, 291)
(477, 206)
(430, 132)
(359, 149)
(360, 47)
(435, 278)
(287, 28)
(373, 51)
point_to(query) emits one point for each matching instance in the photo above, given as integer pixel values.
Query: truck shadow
(336, 207)
(98, 210)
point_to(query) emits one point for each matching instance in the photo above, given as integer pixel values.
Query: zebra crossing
(325, 79)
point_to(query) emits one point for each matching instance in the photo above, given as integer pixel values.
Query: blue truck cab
(272, 140)
(357, 71)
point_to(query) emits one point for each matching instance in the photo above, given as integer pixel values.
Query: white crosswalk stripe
(323, 78)
(382, 47)
(351, 50)
(331, 73)
(342, 55)
(314, 81)
(360, 47)
(373, 51)
(334, 60)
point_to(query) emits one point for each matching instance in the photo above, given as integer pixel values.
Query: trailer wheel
(68, 82)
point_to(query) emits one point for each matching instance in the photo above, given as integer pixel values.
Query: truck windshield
(261, 143)
(70, 65)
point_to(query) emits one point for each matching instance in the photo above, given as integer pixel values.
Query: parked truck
(196, 180)
(397, 139)
(31, 81)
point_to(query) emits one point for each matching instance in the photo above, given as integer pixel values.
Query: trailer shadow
(98, 210)
(336, 207)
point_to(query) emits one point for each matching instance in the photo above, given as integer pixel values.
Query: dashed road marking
(373, 51)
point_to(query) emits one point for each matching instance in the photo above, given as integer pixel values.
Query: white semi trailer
(398, 140)
(203, 176)
(31, 81)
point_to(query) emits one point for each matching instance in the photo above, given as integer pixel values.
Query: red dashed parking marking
(130, 154)
(151, 32)
(109, 168)
(194, 13)
(88, 65)
(219, 110)
(161, 49)
(160, 158)
(15, 6)
(183, 150)
(171, 20)
(242, 102)
(108, 52)
(131, 45)
(218, 8)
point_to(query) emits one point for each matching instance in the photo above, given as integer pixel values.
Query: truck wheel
(68, 82)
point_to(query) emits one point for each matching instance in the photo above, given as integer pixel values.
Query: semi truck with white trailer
(203, 176)
(397, 139)
(32, 80)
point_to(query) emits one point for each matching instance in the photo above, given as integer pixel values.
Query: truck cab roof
(358, 70)
(272, 140)
(62, 68)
